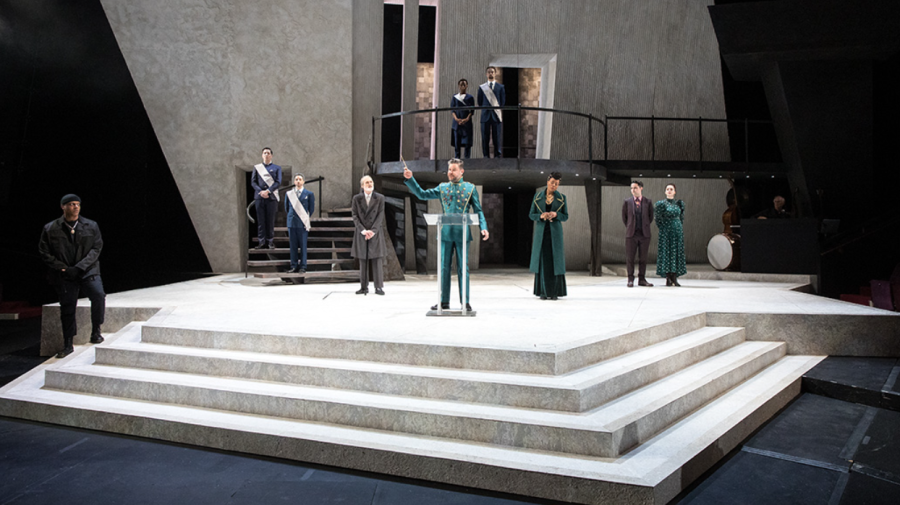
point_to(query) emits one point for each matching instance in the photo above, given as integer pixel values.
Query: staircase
(328, 256)
(627, 418)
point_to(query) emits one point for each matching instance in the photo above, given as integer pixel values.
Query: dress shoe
(293, 270)
(272, 245)
(444, 306)
(468, 307)
(65, 352)
(379, 291)
(96, 339)
(643, 282)
(631, 284)
(362, 291)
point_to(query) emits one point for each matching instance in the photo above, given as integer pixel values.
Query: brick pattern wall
(424, 100)
(529, 96)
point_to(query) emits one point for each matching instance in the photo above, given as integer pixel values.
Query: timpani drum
(724, 251)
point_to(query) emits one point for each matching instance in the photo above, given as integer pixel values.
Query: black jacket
(88, 244)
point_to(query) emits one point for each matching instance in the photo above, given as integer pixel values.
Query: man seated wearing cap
(70, 246)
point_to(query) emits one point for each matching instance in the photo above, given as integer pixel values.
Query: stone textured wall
(614, 57)
(220, 79)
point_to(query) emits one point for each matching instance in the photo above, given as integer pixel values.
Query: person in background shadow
(776, 211)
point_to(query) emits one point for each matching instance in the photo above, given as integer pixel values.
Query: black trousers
(68, 292)
(492, 129)
(265, 217)
(632, 245)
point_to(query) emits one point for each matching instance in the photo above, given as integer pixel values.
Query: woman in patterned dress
(669, 213)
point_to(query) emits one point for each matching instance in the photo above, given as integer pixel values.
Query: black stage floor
(838, 443)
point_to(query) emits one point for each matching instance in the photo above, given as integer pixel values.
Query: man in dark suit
(265, 181)
(368, 241)
(491, 94)
(299, 204)
(637, 214)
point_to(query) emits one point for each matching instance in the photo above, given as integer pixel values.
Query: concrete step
(603, 432)
(287, 262)
(314, 238)
(574, 392)
(653, 473)
(287, 250)
(315, 274)
(554, 361)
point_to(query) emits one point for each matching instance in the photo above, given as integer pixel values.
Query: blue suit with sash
(491, 125)
(266, 207)
(456, 198)
(297, 231)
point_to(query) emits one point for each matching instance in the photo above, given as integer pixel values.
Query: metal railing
(699, 120)
(591, 119)
(518, 108)
(316, 179)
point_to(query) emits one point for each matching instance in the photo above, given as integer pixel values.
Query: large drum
(724, 251)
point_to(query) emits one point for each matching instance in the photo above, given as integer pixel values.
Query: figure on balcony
(462, 133)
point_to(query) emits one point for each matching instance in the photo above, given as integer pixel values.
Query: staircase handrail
(318, 179)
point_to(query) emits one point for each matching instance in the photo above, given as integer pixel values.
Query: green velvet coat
(556, 232)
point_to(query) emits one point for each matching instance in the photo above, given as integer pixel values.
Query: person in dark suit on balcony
(637, 214)
(491, 94)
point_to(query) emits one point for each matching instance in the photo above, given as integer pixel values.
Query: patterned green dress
(669, 216)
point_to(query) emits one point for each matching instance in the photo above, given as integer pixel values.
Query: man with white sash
(491, 94)
(265, 181)
(299, 205)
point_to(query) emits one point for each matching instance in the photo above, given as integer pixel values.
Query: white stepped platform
(614, 396)
(605, 431)
(682, 422)
(574, 392)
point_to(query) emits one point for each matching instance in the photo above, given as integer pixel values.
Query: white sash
(267, 178)
(489, 93)
(298, 208)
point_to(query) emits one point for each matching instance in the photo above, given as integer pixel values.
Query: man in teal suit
(456, 196)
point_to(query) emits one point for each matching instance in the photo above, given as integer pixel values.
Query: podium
(461, 222)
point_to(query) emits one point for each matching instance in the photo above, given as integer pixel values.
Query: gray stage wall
(220, 79)
(611, 57)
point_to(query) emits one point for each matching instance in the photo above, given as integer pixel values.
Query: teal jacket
(538, 206)
(456, 198)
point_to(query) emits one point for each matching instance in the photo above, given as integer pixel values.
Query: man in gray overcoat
(368, 241)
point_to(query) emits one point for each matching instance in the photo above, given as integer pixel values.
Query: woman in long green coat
(548, 258)
(670, 261)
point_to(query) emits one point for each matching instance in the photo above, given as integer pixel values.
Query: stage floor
(509, 316)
